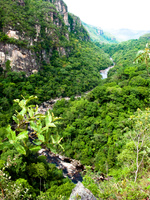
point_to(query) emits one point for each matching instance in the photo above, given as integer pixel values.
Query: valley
(98, 123)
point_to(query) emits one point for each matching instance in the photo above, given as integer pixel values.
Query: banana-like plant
(144, 56)
(30, 125)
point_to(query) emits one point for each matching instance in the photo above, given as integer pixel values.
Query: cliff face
(77, 28)
(62, 9)
(43, 26)
(20, 59)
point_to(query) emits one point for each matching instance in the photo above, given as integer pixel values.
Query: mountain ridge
(125, 34)
(97, 34)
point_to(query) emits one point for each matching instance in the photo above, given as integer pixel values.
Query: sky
(112, 14)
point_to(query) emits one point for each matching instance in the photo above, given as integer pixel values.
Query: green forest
(106, 129)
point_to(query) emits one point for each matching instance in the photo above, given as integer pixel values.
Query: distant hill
(127, 34)
(98, 35)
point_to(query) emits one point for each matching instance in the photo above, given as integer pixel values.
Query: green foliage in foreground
(23, 173)
(39, 130)
(96, 129)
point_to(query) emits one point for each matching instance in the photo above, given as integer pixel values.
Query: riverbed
(105, 72)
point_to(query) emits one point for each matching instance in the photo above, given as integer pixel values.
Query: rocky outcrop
(77, 28)
(13, 34)
(23, 59)
(71, 167)
(80, 192)
(20, 59)
(62, 9)
(49, 32)
(48, 105)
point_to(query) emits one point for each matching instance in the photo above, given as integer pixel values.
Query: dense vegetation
(65, 75)
(107, 129)
(97, 128)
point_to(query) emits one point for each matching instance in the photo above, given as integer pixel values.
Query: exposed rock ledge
(70, 167)
(81, 192)
(48, 105)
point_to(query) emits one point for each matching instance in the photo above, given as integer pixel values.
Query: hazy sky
(132, 14)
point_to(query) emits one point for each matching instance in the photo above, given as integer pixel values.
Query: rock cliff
(43, 27)
(62, 9)
(77, 28)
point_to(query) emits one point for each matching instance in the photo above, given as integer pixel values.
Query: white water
(105, 71)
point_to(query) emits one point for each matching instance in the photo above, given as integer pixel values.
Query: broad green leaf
(39, 126)
(15, 119)
(20, 117)
(53, 140)
(52, 125)
(48, 118)
(31, 112)
(37, 142)
(41, 138)
(20, 149)
(10, 133)
(22, 103)
(12, 141)
(33, 126)
(40, 116)
(23, 111)
(22, 135)
(35, 148)
(31, 98)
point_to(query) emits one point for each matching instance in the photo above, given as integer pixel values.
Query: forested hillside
(102, 129)
(59, 62)
(98, 35)
(46, 53)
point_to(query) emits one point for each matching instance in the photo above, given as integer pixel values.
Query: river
(70, 167)
(45, 106)
(105, 71)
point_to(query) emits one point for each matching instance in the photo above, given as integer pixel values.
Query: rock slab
(80, 192)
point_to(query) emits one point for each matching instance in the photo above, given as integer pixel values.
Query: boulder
(80, 192)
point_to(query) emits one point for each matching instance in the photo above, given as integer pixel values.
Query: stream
(105, 71)
(70, 167)
(45, 106)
